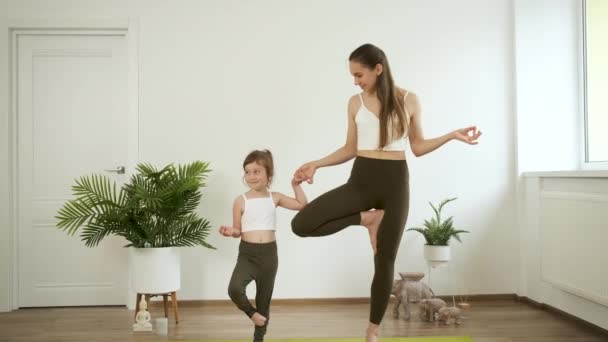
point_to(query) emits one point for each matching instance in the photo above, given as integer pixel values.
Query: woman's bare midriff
(388, 155)
(259, 236)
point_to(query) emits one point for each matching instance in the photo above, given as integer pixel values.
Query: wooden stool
(165, 295)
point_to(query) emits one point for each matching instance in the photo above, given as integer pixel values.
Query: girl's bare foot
(371, 220)
(372, 333)
(258, 319)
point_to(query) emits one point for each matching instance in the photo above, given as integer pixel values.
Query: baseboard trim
(275, 301)
(335, 301)
(558, 312)
(479, 297)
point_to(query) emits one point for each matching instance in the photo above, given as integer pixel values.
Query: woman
(376, 195)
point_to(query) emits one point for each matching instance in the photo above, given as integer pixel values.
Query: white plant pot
(437, 255)
(155, 270)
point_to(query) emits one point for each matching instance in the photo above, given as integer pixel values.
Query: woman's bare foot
(258, 319)
(371, 220)
(372, 333)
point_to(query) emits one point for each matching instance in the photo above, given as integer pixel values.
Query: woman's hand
(467, 135)
(306, 173)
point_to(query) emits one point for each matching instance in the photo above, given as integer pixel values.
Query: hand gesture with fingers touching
(468, 135)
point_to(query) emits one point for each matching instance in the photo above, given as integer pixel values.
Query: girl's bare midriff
(259, 236)
(389, 155)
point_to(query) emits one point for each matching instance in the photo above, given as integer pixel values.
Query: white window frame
(585, 164)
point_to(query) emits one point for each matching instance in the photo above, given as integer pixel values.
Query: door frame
(13, 28)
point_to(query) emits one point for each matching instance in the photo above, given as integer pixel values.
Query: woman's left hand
(306, 173)
(467, 135)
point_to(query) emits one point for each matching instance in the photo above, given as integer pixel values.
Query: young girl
(379, 120)
(254, 221)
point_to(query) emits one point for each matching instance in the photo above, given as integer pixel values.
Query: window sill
(567, 174)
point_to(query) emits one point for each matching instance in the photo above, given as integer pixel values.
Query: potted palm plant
(438, 234)
(154, 212)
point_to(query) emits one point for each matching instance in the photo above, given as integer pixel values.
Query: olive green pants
(256, 262)
(373, 184)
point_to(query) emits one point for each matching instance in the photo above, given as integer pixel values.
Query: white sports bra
(368, 130)
(259, 214)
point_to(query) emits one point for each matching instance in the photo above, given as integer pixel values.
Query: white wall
(547, 82)
(219, 78)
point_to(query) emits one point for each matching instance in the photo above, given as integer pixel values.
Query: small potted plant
(154, 212)
(438, 234)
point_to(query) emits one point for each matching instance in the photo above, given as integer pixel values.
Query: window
(595, 73)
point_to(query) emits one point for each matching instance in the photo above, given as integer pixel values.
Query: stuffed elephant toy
(430, 307)
(450, 314)
(409, 291)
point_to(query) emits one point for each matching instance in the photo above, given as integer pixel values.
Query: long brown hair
(263, 158)
(392, 107)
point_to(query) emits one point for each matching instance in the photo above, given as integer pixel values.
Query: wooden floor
(488, 321)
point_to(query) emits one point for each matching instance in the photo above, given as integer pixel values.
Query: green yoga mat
(382, 339)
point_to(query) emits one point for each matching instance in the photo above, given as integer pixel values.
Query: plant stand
(430, 275)
(147, 296)
(433, 265)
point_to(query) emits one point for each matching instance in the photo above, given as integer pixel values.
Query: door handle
(119, 169)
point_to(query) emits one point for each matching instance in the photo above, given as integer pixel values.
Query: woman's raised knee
(298, 226)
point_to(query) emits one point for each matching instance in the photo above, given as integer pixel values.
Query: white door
(72, 120)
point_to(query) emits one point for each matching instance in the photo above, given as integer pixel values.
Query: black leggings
(256, 262)
(373, 183)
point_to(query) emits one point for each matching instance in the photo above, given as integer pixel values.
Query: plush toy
(450, 314)
(430, 307)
